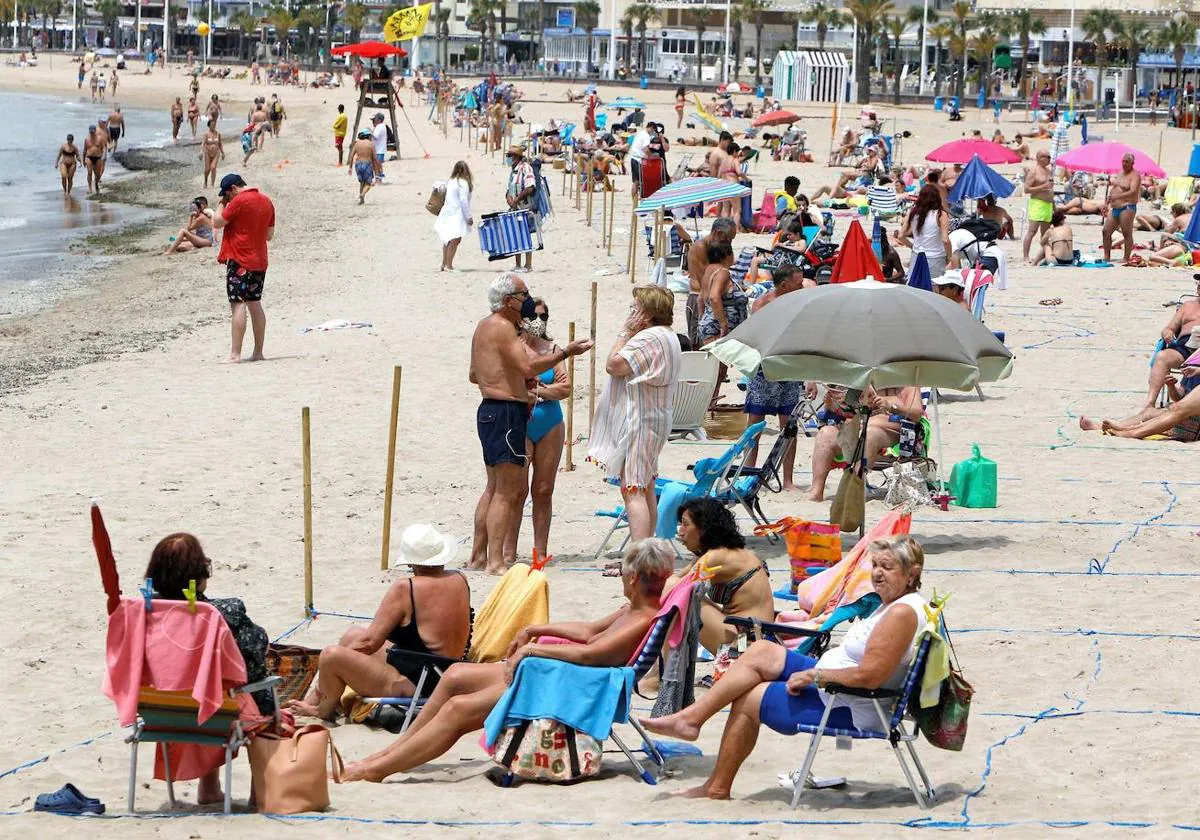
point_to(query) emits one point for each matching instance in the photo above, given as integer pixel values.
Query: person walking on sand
(501, 367)
(276, 113)
(214, 108)
(522, 184)
(248, 219)
(339, 132)
(103, 83)
(93, 158)
(193, 114)
(177, 118)
(362, 163)
(113, 85)
(116, 127)
(212, 151)
(455, 220)
(94, 81)
(1120, 209)
(82, 73)
(67, 160)
(379, 137)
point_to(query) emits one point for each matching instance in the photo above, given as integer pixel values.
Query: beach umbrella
(369, 49)
(132, 53)
(703, 116)
(918, 273)
(627, 102)
(690, 191)
(855, 260)
(977, 180)
(106, 52)
(733, 87)
(961, 151)
(867, 333)
(775, 118)
(1106, 157)
(1192, 234)
(104, 556)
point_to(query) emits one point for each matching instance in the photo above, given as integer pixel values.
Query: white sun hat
(424, 545)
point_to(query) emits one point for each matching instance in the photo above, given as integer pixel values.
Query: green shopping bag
(973, 481)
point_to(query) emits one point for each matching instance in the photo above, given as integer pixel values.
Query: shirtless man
(260, 119)
(213, 111)
(116, 127)
(721, 165)
(193, 113)
(362, 163)
(212, 152)
(177, 119)
(697, 261)
(1120, 209)
(990, 210)
(1039, 187)
(1020, 147)
(276, 114)
(502, 369)
(65, 163)
(93, 158)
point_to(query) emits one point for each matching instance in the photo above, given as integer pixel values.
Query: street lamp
(924, 44)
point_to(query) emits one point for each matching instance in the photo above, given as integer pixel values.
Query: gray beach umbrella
(867, 333)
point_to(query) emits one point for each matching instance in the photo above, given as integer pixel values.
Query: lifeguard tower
(378, 95)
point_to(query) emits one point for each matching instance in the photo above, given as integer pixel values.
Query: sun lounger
(693, 392)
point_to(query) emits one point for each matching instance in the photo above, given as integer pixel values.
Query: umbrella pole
(937, 431)
(592, 362)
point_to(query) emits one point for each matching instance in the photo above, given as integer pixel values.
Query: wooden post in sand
(611, 194)
(578, 171)
(391, 471)
(592, 362)
(306, 449)
(604, 215)
(633, 234)
(1158, 157)
(591, 186)
(570, 400)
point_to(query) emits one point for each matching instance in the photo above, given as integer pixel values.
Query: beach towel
(521, 599)
(584, 698)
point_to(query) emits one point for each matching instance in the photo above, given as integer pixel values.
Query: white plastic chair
(693, 393)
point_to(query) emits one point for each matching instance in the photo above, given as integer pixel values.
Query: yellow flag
(406, 24)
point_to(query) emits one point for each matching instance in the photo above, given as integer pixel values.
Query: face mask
(528, 309)
(534, 326)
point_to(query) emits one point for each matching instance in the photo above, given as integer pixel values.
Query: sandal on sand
(1051, 302)
(68, 800)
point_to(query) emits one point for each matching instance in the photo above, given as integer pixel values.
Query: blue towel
(670, 497)
(585, 698)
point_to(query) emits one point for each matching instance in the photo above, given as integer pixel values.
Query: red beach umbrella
(855, 260)
(369, 49)
(104, 555)
(775, 118)
(961, 151)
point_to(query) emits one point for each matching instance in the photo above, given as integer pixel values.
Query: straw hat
(424, 545)
(517, 151)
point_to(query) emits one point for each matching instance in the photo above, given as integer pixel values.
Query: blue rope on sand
(42, 759)
(1098, 566)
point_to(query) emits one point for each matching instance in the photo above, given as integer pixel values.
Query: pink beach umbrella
(1106, 157)
(961, 151)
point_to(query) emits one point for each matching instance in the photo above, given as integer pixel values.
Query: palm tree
(478, 18)
(642, 14)
(1133, 36)
(895, 26)
(441, 19)
(354, 18)
(705, 19)
(283, 21)
(960, 13)
(735, 39)
(1096, 25)
(49, 10)
(824, 18)
(244, 23)
(1024, 23)
(628, 22)
(587, 18)
(869, 15)
(753, 11)
(940, 32)
(110, 13)
(984, 45)
(309, 21)
(1177, 35)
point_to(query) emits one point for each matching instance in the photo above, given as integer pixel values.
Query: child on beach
(248, 141)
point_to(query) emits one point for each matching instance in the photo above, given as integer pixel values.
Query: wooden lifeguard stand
(377, 94)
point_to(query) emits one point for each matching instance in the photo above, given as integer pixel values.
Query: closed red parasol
(775, 118)
(104, 555)
(855, 260)
(369, 49)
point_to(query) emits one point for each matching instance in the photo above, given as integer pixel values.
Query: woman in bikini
(680, 101)
(199, 230)
(193, 114)
(545, 435)
(68, 158)
(740, 585)
(212, 151)
(1058, 241)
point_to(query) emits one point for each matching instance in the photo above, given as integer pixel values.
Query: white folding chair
(693, 393)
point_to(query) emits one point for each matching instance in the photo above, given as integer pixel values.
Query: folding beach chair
(891, 706)
(504, 235)
(882, 200)
(744, 485)
(1178, 191)
(766, 220)
(693, 392)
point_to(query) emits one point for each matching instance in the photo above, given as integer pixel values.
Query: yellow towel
(937, 663)
(521, 598)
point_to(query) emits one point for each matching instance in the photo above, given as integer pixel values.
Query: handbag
(849, 504)
(297, 666)
(290, 774)
(944, 724)
(811, 546)
(545, 750)
(437, 199)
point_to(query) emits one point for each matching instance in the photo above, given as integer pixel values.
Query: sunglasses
(544, 317)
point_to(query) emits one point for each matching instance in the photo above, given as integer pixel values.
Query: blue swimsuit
(546, 414)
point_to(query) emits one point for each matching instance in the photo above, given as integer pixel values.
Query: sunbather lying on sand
(468, 691)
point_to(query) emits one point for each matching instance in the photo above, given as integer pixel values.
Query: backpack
(545, 750)
(437, 198)
(984, 230)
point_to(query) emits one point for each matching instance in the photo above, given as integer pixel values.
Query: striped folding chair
(504, 235)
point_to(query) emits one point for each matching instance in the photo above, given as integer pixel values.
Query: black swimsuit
(406, 638)
(722, 593)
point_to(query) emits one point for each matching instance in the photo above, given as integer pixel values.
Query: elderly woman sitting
(370, 660)
(889, 406)
(772, 685)
(469, 691)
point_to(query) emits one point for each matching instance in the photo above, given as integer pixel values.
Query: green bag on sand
(973, 481)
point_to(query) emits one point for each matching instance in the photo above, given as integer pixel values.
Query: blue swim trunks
(247, 142)
(364, 171)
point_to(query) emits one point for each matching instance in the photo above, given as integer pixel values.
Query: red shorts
(337, 141)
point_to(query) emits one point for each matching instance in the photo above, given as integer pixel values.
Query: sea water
(37, 223)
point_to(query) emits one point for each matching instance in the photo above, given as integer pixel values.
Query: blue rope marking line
(1097, 567)
(1078, 332)
(1067, 440)
(42, 759)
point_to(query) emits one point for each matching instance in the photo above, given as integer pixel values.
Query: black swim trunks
(501, 425)
(1180, 346)
(114, 132)
(243, 285)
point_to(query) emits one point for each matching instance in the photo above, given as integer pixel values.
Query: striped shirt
(633, 414)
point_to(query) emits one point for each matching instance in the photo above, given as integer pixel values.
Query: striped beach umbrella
(690, 191)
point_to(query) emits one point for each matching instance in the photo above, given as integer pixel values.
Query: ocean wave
(10, 223)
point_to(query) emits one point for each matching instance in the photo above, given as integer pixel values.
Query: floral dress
(633, 415)
(252, 643)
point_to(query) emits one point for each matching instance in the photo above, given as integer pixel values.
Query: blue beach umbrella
(918, 274)
(1192, 234)
(977, 180)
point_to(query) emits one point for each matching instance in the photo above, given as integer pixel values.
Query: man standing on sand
(522, 184)
(277, 114)
(339, 132)
(362, 163)
(1120, 209)
(379, 137)
(723, 230)
(248, 218)
(1039, 186)
(501, 367)
(94, 151)
(176, 118)
(116, 126)
(721, 165)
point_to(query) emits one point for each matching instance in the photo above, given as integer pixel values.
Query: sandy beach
(1069, 603)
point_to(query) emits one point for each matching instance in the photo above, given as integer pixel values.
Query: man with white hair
(501, 368)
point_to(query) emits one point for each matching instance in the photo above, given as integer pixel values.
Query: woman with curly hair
(740, 585)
